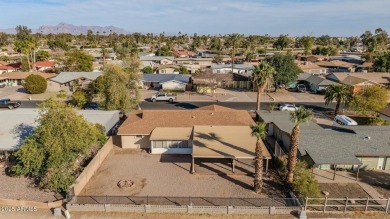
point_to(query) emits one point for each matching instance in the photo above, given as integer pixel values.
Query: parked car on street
(288, 107)
(161, 96)
(7, 103)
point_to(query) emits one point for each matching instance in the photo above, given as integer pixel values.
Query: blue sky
(274, 17)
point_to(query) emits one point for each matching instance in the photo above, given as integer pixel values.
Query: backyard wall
(91, 168)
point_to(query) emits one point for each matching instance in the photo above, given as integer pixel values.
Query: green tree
(340, 93)
(259, 131)
(370, 99)
(163, 51)
(382, 63)
(147, 70)
(42, 55)
(79, 99)
(281, 42)
(307, 43)
(63, 141)
(183, 70)
(132, 69)
(262, 78)
(78, 61)
(301, 115)
(286, 69)
(35, 84)
(233, 40)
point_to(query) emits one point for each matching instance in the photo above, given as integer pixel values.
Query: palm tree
(301, 115)
(233, 40)
(340, 93)
(262, 77)
(259, 131)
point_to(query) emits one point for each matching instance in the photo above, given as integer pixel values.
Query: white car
(288, 107)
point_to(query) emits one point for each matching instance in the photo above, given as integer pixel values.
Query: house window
(170, 144)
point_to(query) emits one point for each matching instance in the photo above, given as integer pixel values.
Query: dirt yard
(342, 190)
(379, 180)
(169, 175)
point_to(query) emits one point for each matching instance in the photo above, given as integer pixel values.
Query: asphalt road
(319, 107)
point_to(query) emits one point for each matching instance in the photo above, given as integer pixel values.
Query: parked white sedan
(288, 107)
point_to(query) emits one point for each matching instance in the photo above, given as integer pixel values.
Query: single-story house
(207, 132)
(67, 80)
(240, 69)
(316, 83)
(337, 66)
(348, 147)
(182, 53)
(375, 77)
(311, 68)
(45, 65)
(21, 123)
(193, 61)
(166, 69)
(17, 78)
(312, 58)
(155, 60)
(6, 68)
(166, 81)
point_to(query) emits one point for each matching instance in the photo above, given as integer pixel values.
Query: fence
(91, 168)
(346, 204)
(183, 204)
(23, 203)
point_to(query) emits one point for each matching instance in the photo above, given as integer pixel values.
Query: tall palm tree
(301, 115)
(340, 93)
(234, 40)
(259, 131)
(263, 78)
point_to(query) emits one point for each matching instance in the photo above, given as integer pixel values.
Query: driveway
(13, 92)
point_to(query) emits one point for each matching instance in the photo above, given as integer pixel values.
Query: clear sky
(274, 17)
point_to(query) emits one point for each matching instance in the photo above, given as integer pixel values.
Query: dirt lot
(21, 188)
(342, 190)
(169, 175)
(379, 180)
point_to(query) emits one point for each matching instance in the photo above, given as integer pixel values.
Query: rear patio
(169, 175)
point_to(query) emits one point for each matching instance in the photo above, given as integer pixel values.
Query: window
(170, 144)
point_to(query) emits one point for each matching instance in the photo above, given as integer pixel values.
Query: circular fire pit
(125, 183)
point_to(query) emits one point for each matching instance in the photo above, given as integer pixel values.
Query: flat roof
(20, 123)
(225, 142)
(166, 133)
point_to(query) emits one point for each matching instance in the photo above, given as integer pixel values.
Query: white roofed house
(166, 81)
(241, 69)
(66, 81)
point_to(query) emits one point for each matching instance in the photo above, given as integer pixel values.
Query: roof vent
(367, 138)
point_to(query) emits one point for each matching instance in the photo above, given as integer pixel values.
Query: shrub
(79, 99)
(62, 94)
(173, 91)
(35, 84)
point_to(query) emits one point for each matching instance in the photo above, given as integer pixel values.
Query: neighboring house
(316, 83)
(3, 81)
(349, 147)
(17, 78)
(385, 114)
(167, 69)
(311, 68)
(207, 132)
(203, 62)
(312, 58)
(165, 81)
(68, 80)
(240, 69)
(354, 59)
(155, 60)
(6, 68)
(45, 65)
(337, 66)
(22, 122)
(181, 53)
(375, 77)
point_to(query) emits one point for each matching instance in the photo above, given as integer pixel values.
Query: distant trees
(307, 43)
(61, 144)
(282, 42)
(339, 93)
(26, 44)
(233, 40)
(163, 51)
(382, 63)
(78, 61)
(147, 70)
(374, 44)
(262, 78)
(369, 100)
(35, 84)
(183, 70)
(325, 50)
(42, 55)
(286, 70)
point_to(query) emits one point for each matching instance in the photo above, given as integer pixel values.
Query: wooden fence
(346, 204)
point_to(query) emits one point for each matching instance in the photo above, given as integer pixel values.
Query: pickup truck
(161, 96)
(7, 103)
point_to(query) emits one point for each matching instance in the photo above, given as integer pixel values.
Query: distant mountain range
(72, 29)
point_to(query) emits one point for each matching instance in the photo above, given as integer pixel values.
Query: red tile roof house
(207, 132)
(44, 65)
(6, 68)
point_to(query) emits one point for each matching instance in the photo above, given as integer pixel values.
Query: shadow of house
(21, 132)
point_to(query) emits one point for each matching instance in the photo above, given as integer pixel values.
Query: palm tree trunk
(258, 181)
(233, 55)
(258, 98)
(336, 111)
(292, 155)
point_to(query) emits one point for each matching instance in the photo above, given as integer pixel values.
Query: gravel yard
(342, 190)
(169, 175)
(21, 188)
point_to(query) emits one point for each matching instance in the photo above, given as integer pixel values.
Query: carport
(225, 142)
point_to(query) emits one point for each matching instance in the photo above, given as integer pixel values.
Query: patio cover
(165, 133)
(225, 142)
